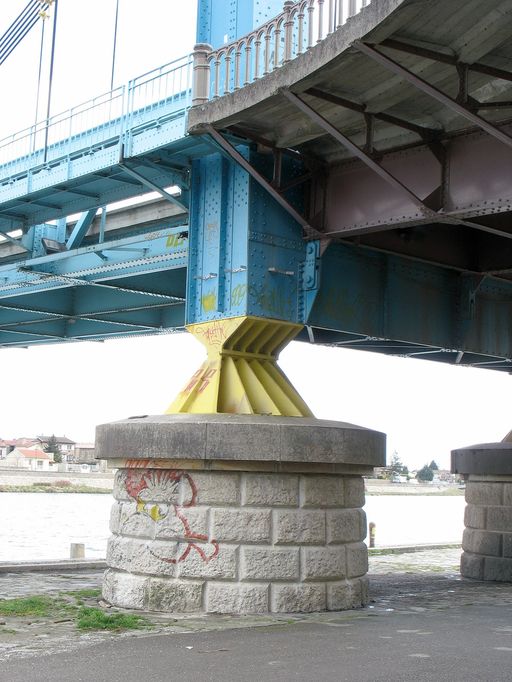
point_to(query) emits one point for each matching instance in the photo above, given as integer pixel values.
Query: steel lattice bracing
(361, 188)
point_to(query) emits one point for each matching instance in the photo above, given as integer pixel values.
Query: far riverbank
(375, 486)
(15, 481)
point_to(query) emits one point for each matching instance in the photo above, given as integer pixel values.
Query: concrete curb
(404, 549)
(64, 565)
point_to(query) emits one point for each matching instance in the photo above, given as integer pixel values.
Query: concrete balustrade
(299, 27)
(238, 514)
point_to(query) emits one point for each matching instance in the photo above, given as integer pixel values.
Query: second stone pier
(238, 514)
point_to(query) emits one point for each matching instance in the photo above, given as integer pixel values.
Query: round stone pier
(238, 514)
(487, 539)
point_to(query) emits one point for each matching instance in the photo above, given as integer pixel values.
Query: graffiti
(174, 241)
(200, 380)
(209, 301)
(211, 232)
(238, 294)
(272, 300)
(212, 333)
(161, 493)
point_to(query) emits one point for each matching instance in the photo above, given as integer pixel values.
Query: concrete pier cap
(487, 538)
(228, 513)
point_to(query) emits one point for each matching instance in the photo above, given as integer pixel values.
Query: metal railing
(298, 28)
(190, 80)
(99, 120)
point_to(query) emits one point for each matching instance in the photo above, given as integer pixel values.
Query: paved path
(422, 625)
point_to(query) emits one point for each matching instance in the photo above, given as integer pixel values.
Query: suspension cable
(114, 48)
(21, 26)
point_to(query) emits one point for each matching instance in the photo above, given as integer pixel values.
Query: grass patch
(96, 619)
(77, 607)
(86, 593)
(27, 606)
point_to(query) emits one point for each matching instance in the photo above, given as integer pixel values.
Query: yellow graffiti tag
(174, 240)
(209, 302)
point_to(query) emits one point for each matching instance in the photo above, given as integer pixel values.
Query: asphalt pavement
(424, 623)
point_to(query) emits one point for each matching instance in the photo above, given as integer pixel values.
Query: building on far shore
(7, 446)
(29, 459)
(66, 445)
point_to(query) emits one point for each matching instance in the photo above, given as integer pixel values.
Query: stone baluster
(311, 9)
(288, 30)
(201, 74)
(339, 18)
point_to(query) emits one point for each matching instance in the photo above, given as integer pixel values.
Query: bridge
(332, 170)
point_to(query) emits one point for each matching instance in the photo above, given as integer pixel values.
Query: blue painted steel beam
(222, 21)
(379, 296)
(247, 254)
(80, 230)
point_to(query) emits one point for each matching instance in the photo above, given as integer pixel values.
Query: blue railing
(104, 120)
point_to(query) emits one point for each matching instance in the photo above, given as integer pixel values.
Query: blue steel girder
(81, 228)
(126, 286)
(222, 21)
(247, 254)
(394, 305)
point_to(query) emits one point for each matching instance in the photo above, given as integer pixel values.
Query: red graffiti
(200, 380)
(154, 484)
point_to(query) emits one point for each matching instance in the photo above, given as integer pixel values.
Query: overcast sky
(425, 408)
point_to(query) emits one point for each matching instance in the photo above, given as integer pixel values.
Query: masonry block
(482, 542)
(346, 525)
(322, 491)
(301, 598)
(271, 490)
(142, 557)
(237, 598)
(507, 545)
(347, 594)
(475, 516)
(299, 526)
(241, 525)
(498, 569)
(482, 493)
(125, 589)
(499, 518)
(175, 596)
(472, 566)
(217, 488)
(115, 517)
(354, 491)
(212, 562)
(183, 522)
(323, 563)
(261, 563)
(357, 560)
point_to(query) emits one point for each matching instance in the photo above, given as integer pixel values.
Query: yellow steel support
(240, 374)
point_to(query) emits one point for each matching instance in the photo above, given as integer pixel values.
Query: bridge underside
(402, 122)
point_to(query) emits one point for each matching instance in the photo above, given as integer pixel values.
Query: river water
(39, 526)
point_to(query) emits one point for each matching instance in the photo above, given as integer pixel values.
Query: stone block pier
(238, 514)
(487, 539)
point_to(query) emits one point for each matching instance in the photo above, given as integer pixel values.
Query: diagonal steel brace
(432, 91)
